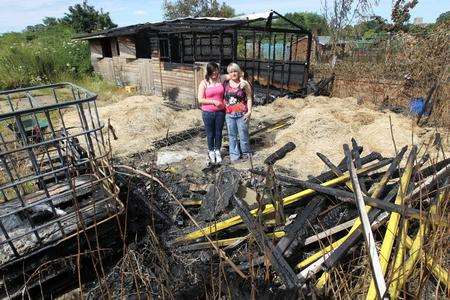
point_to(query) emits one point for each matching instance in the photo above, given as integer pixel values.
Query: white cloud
(140, 12)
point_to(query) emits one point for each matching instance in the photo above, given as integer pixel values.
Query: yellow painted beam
(414, 253)
(392, 226)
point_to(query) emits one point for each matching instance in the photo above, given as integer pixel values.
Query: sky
(15, 15)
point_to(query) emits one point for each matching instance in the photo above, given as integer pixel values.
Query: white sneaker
(218, 156)
(212, 157)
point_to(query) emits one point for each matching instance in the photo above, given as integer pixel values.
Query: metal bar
(194, 46)
(221, 50)
(253, 58)
(377, 273)
(268, 67)
(274, 58)
(245, 54)
(284, 60)
(259, 58)
(290, 60)
(234, 45)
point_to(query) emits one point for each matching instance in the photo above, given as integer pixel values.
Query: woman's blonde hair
(234, 67)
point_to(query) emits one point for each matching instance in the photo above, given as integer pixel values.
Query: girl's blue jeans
(237, 135)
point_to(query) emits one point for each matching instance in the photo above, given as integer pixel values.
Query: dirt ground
(320, 124)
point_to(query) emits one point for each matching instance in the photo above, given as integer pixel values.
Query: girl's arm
(248, 92)
(201, 95)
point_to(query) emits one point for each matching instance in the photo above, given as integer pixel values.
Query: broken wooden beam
(280, 153)
(275, 256)
(377, 273)
(347, 197)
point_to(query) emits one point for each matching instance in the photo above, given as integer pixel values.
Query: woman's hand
(247, 116)
(216, 103)
(243, 83)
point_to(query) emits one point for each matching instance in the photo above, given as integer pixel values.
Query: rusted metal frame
(34, 163)
(30, 100)
(27, 147)
(274, 57)
(245, 54)
(308, 59)
(275, 256)
(13, 166)
(284, 63)
(55, 197)
(377, 273)
(99, 125)
(234, 43)
(210, 47)
(221, 49)
(169, 47)
(22, 202)
(194, 46)
(181, 47)
(253, 58)
(268, 66)
(98, 142)
(290, 60)
(259, 57)
(55, 96)
(65, 218)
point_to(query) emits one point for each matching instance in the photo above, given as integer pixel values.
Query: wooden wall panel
(127, 46)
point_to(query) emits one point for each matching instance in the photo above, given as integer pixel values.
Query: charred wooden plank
(347, 196)
(280, 153)
(307, 215)
(377, 273)
(275, 256)
(179, 137)
(324, 176)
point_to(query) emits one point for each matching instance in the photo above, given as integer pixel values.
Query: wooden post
(377, 273)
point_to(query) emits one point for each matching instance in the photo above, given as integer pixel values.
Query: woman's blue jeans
(237, 135)
(213, 126)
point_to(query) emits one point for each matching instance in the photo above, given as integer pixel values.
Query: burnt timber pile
(260, 234)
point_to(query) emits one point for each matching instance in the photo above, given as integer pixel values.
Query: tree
(371, 28)
(401, 13)
(310, 21)
(196, 8)
(443, 17)
(85, 18)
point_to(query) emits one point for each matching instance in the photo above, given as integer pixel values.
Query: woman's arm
(248, 92)
(201, 95)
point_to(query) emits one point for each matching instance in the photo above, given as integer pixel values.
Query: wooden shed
(168, 58)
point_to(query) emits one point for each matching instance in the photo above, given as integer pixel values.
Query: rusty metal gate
(55, 179)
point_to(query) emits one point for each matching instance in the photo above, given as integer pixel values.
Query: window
(106, 47)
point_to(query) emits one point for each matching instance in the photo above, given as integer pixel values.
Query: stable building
(168, 58)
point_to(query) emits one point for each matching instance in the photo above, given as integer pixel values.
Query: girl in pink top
(210, 97)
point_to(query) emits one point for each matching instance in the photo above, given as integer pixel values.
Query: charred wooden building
(166, 58)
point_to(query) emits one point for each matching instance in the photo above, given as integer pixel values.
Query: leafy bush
(42, 54)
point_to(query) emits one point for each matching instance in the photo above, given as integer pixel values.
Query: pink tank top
(214, 92)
